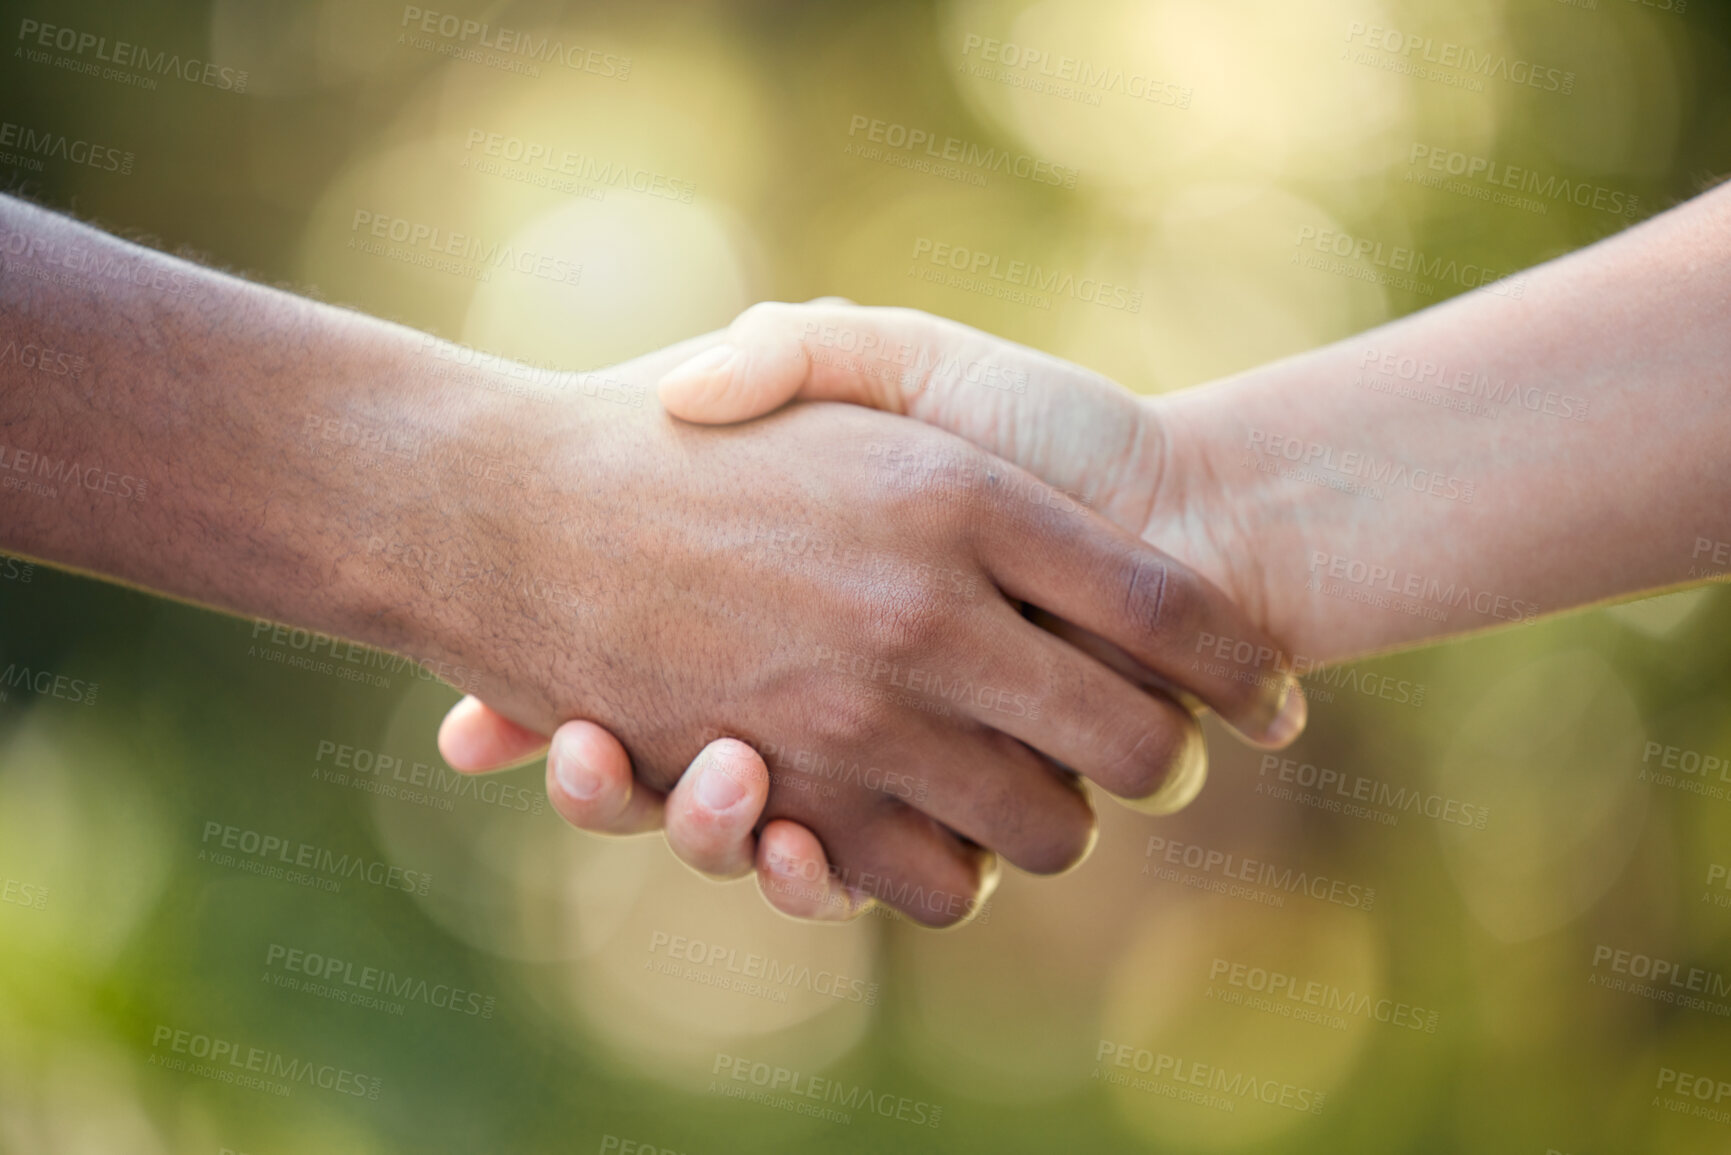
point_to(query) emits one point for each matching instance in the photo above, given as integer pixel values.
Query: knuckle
(757, 318)
(1158, 599)
(938, 473)
(1043, 824)
(910, 624)
(767, 326)
(852, 717)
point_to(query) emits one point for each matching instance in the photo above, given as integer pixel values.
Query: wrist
(453, 557)
(1246, 529)
(412, 467)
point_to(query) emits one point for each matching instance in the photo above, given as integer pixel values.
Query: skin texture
(836, 585)
(1600, 474)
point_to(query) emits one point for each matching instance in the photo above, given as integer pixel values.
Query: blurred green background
(547, 992)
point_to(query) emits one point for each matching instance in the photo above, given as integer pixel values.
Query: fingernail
(576, 777)
(1294, 711)
(717, 789)
(706, 364)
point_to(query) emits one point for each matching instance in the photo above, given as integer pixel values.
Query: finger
(990, 788)
(886, 851)
(973, 384)
(1124, 665)
(828, 349)
(589, 783)
(1083, 715)
(1166, 616)
(735, 381)
(475, 738)
(1191, 771)
(713, 807)
(794, 875)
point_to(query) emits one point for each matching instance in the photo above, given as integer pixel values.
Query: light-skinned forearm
(1591, 463)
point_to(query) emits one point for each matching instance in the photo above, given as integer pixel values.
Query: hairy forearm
(1491, 459)
(224, 442)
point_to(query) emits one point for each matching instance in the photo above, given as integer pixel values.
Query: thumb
(775, 352)
(896, 360)
(736, 380)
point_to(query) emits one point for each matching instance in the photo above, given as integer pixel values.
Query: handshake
(876, 591)
(870, 648)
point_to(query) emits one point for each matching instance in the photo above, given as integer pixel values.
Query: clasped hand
(887, 646)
